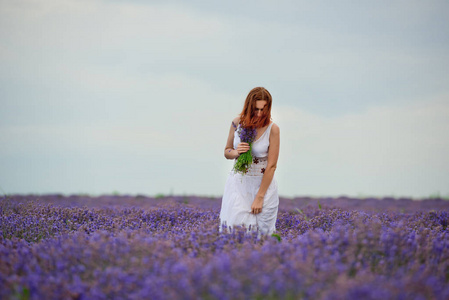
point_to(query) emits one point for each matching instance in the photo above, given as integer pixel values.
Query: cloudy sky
(137, 97)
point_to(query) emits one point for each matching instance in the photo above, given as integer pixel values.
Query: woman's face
(260, 104)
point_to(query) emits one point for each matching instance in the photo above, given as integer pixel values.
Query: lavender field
(136, 247)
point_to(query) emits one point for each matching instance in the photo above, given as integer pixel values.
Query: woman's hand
(242, 148)
(256, 207)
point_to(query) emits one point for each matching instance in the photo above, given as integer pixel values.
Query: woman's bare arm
(273, 154)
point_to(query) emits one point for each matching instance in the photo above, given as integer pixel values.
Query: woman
(251, 199)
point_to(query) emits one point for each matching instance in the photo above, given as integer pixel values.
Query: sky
(137, 97)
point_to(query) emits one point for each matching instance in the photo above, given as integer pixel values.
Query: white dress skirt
(241, 190)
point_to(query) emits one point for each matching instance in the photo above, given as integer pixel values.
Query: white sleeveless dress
(240, 191)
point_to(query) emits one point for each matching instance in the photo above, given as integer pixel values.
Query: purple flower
(147, 247)
(244, 161)
(247, 135)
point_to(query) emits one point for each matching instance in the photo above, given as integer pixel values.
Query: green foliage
(277, 236)
(302, 213)
(244, 161)
(159, 195)
(437, 195)
(24, 294)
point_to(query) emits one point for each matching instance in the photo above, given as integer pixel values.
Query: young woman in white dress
(252, 199)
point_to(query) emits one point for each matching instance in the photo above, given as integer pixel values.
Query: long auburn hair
(247, 116)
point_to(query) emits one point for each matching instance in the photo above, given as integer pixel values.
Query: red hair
(247, 116)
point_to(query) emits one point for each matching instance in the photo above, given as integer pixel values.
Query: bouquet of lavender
(244, 161)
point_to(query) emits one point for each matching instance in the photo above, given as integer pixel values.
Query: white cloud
(383, 150)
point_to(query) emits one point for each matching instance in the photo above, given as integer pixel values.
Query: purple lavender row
(176, 252)
(342, 264)
(34, 221)
(385, 204)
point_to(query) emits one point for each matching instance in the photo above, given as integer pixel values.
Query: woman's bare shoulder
(236, 121)
(275, 128)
